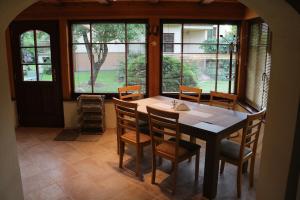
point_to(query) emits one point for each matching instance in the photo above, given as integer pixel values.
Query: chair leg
(174, 174)
(222, 166)
(121, 153)
(251, 178)
(153, 168)
(239, 181)
(138, 160)
(197, 165)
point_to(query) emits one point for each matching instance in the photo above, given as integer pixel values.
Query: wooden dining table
(206, 122)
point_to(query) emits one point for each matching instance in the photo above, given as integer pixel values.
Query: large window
(259, 65)
(108, 55)
(203, 55)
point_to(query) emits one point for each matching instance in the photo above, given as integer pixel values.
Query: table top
(209, 119)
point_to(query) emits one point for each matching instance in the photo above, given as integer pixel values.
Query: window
(36, 56)
(107, 56)
(259, 65)
(168, 42)
(202, 56)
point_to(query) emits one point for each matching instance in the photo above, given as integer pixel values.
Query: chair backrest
(251, 132)
(127, 117)
(190, 93)
(163, 125)
(131, 92)
(223, 99)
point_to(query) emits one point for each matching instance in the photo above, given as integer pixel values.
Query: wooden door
(35, 53)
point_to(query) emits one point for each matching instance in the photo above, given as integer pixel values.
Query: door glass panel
(44, 55)
(45, 73)
(36, 55)
(42, 38)
(29, 73)
(28, 55)
(27, 39)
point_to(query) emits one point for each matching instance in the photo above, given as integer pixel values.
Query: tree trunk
(101, 55)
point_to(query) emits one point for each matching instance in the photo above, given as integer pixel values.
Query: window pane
(44, 55)
(29, 73)
(136, 33)
(171, 72)
(228, 34)
(200, 33)
(27, 39)
(110, 75)
(81, 33)
(45, 73)
(136, 65)
(199, 70)
(82, 70)
(223, 75)
(199, 48)
(42, 38)
(108, 33)
(28, 55)
(175, 29)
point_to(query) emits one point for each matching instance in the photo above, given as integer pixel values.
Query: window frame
(74, 94)
(196, 21)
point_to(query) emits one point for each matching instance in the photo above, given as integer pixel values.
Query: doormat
(67, 135)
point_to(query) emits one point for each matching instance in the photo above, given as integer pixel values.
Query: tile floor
(87, 169)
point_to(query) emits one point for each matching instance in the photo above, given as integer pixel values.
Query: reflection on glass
(27, 39)
(45, 73)
(136, 65)
(44, 55)
(82, 70)
(110, 75)
(136, 33)
(42, 38)
(29, 73)
(200, 33)
(81, 33)
(28, 55)
(108, 33)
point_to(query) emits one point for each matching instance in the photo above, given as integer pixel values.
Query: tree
(171, 70)
(103, 33)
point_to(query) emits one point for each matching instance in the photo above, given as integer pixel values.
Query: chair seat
(130, 136)
(185, 148)
(231, 150)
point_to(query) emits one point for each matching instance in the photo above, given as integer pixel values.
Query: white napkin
(182, 107)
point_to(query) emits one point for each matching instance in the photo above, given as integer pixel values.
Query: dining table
(203, 121)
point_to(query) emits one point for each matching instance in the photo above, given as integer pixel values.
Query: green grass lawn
(108, 82)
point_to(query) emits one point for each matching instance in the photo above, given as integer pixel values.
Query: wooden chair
(223, 99)
(164, 124)
(190, 93)
(128, 131)
(132, 92)
(237, 154)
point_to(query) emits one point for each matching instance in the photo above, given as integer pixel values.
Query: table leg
(211, 169)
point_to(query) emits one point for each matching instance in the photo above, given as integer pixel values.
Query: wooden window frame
(182, 22)
(75, 95)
